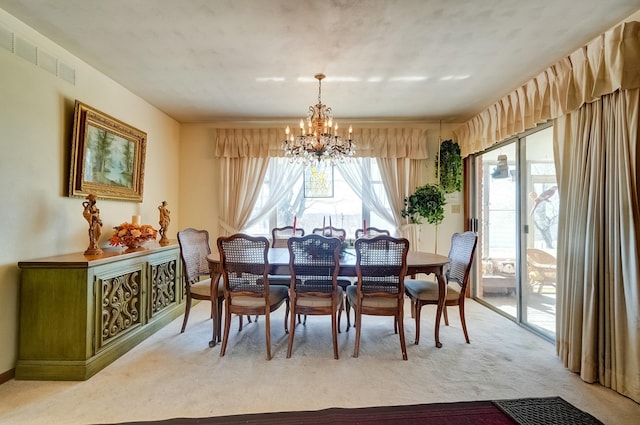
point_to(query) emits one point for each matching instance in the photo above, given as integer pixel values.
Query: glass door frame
(472, 222)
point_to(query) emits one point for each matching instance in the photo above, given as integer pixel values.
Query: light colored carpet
(177, 375)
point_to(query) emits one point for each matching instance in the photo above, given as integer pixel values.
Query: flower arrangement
(132, 235)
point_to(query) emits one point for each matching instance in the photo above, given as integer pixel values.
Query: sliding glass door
(515, 209)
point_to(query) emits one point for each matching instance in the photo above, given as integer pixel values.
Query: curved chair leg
(400, 323)
(334, 334)
(358, 317)
(220, 300)
(286, 317)
(417, 308)
(227, 327)
(187, 309)
(446, 316)
(348, 311)
(292, 332)
(464, 322)
(267, 330)
(340, 308)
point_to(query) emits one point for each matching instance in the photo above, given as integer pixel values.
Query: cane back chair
(423, 292)
(381, 265)
(314, 265)
(245, 268)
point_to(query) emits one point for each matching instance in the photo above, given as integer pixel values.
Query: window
(346, 209)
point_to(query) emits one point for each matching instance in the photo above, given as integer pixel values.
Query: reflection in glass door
(515, 188)
(540, 230)
(496, 201)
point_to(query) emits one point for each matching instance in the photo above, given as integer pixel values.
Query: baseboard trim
(7, 376)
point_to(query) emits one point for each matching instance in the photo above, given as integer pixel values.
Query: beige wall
(37, 219)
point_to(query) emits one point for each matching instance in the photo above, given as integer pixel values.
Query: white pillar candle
(135, 220)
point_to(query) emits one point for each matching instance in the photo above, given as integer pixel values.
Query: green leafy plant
(449, 167)
(427, 202)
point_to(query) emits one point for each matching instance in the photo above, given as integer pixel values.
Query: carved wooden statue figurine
(91, 213)
(165, 219)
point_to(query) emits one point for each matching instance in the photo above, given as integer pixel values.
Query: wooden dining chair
(343, 281)
(330, 231)
(314, 266)
(245, 268)
(381, 265)
(372, 231)
(280, 235)
(194, 248)
(424, 292)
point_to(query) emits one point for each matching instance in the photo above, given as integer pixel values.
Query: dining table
(278, 260)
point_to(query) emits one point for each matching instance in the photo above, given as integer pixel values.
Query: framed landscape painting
(107, 156)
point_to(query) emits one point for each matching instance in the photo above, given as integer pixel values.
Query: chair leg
(358, 325)
(187, 309)
(292, 331)
(464, 322)
(400, 322)
(340, 308)
(446, 316)
(267, 329)
(220, 300)
(348, 311)
(227, 327)
(417, 308)
(286, 316)
(334, 333)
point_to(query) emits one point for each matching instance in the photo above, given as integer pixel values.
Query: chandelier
(319, 139)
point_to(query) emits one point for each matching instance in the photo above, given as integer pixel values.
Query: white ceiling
(215, 60)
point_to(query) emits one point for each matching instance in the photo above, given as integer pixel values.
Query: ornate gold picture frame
(107, 156)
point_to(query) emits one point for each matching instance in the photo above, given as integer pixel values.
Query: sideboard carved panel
(120, 305)
(164, 286)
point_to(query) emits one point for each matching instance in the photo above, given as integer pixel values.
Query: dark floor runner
(530, 411)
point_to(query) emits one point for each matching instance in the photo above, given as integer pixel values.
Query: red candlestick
(330, 227)
(364, 226)
(294, 224)
(323, 224)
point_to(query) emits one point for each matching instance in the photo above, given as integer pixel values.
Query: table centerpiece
(132, 235)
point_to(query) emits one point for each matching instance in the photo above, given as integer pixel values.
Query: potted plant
(449, 167)
(426, 202)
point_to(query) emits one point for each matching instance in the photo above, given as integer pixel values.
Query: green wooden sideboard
(79, 313)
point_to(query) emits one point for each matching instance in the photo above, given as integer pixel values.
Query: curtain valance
(370, 142)
(610, 62)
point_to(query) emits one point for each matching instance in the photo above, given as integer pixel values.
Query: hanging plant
(426, 202)
(449, 166)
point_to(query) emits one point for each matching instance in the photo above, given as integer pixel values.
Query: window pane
(344, 209)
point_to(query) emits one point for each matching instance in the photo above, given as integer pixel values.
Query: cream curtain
(598, 304)
(283, 176)
(356, 173)
(609, 63)
(241, 182)
(400, 179)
